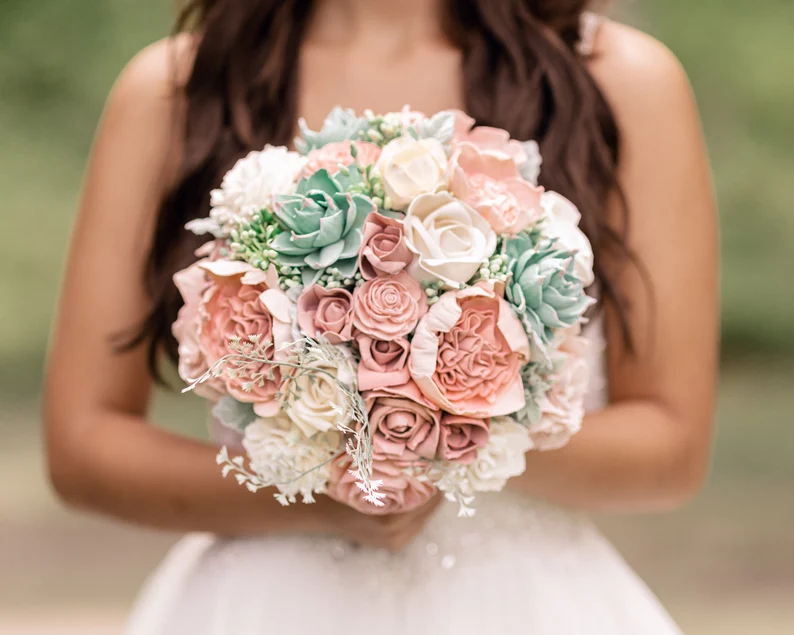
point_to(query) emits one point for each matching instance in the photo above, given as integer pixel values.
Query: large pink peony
(461, 437)
(243, 301)
(383, 248)
(389, 308)
(493, 141)
(402, 492)
(467, 352)
(333, 155)
(327, 313)
(383, 363)
(491, 184)
(404, 426)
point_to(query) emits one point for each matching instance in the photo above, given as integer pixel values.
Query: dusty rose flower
(332, 155)
(193, 283)
(388, 308)
(383, 248)
(402, 492)
(382, 363)
(461, 437)
(492, 185)
(327, 313)
(402, 429)
(243, 301)
(466, 354)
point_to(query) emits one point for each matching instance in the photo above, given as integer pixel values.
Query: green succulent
(323, 226)
(542, 286)
(340, 125)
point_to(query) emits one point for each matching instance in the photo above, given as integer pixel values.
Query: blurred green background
(725, 564)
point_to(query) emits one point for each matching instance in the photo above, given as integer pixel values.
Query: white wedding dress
(518, 567)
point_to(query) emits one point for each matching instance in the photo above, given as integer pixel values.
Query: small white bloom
(251, 184)
(562, 222)
(410, 167)
(503, 457)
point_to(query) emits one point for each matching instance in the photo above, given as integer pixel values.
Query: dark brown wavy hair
(520, 69)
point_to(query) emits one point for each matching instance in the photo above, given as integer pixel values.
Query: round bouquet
(392, 310)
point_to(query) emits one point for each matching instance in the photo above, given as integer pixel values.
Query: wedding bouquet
(390, 311)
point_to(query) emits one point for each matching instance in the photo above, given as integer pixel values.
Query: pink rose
(193, 283)
(382, 363)
(461, 437)
(389, 308)
(492, 185)
(402, 429)
(467, 352)
(327, 313)
(402, 492)
(333, 155)
(383, 248)
(243, 301)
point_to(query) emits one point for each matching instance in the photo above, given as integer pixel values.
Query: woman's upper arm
(131, 163)
(672, 229)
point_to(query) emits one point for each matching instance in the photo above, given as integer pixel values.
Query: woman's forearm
(632, 456)
(135, 472)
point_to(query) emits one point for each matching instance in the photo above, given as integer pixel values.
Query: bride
(620, 136)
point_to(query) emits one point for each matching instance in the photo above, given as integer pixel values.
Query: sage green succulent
(542, 286)
(323, 228)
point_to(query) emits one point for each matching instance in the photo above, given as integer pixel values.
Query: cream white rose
(562, 222)
(502, 458)
(410, 167)
(450, 239)
(319, 403)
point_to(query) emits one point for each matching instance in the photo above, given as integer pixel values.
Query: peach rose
(402, 429)
(389, 308)
(402, 492)
(461, 437)
(382, 363)
(383, 248)
(193, 283)
(467, 352)
(333, 155)
(243, 301)
(326, 313)
(492, 185)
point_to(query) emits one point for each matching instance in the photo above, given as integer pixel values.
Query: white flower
(319, 404)
(562, 408)
(249, 187)
(503, 457)
(562, 222)
(281, 455)
(451, 240)
(410, 167)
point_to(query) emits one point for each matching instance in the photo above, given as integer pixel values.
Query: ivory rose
(562, 222)
(492, 185)
(466, 354)
(450, 239)
(326, 313)
(241, 302)
(388, 308)
(383, 248)
(502, 458)
(461, 437)
(333, 155)
(410, 167)
(402, 493)
(383, 363)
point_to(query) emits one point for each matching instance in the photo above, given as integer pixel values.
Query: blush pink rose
(192, 284)
(327, 313)
(402, 429)
(383, 248)
(389, 308)
(402, 493)
(461, 437)
(467, 352)
(382, 363)
(492, 185)
(494, 141)
(333, 155)
(243, 301)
